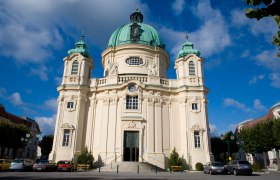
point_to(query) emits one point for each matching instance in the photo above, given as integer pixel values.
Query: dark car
(214, 168)
(237, 167)
(65, 166)
(44, 165)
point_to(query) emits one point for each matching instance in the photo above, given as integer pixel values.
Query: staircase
(131, 167)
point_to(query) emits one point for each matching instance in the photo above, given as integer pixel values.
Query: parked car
(214, 168)
(5, 164)
(237, 167)
(21, 165)
(44, 165)
(65, 166)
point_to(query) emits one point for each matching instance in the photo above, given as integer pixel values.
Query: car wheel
(210, 172)
(235, 172)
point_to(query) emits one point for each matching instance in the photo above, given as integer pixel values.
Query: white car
(21, 165)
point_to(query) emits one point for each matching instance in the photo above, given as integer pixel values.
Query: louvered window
(191, 68)
(75, 67)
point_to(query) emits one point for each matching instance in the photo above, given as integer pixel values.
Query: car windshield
(217, 164)
(243, 162)
(43, 162)
(17, 161)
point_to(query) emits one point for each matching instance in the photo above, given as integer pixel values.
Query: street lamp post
(227, 141)
(25, 141)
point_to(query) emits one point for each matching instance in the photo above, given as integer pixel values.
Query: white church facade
(133, 113)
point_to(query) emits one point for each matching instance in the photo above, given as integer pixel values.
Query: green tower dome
(80, 47)
(136, 32)
(188, 49)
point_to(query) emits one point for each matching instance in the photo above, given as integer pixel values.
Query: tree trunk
(277, 159)
(264, 160)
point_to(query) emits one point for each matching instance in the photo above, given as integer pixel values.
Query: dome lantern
(80, 47)
(136, 17)
(187, 49)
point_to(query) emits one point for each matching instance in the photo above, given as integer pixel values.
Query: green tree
(86, 157)
(46, 146)
(259, 138)
(174, 159)
(276, 135)
(10, 136)
(266, 8)
(218, 147)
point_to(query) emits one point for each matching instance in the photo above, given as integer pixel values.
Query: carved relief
(150, 101)
(112, 68)
(106, 101)
(114, 100)
(153, 70)
(132, 124)
(67, 126)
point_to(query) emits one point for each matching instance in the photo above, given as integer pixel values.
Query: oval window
(134, 61)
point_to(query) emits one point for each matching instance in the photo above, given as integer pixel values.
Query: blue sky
(242, 71)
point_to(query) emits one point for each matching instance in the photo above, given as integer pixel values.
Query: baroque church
(134, 113)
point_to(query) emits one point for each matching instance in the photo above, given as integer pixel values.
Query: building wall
(164, 119)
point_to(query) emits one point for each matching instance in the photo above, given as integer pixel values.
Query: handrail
(115, 160)
(143, 160)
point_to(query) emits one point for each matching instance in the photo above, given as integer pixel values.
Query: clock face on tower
(132, 88)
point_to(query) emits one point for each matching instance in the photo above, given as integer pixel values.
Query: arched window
(75, 67)
(134, 61)
(191, 68)
(66, 137)
(196, 139)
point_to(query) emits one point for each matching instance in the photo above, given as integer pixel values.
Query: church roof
(135, 32)
(188, 49)
(80, 47)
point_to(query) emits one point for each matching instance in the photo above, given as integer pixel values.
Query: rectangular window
(70, 105)
(131, 102)
(196, 139)
(194, 106)
(66, 137)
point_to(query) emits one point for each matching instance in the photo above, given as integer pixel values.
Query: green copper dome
(80, 47)
(135, 32)
(187, 49)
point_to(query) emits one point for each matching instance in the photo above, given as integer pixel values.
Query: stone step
(131, 167)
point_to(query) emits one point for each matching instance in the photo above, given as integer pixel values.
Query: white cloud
(234, 103)
(58, 81)
(268, 59)
(3, 92)
(41, 71)
(211, 37)
(38, 29)
(51, 104)
(256, 27)
(46, 124)
(178, 6)
(255, 79)
(275, 78)
(15, 99)
(258, 105)
(213, 130)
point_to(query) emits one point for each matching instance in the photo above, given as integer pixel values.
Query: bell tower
(78, 65)
(188, 65)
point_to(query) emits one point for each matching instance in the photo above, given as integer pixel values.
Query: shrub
(174, 159)
(85, 157)
(257, 167)
(199, 166)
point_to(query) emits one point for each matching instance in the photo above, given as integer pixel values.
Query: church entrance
(131, 146)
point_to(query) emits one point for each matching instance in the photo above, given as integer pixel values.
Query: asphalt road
(132, 175)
